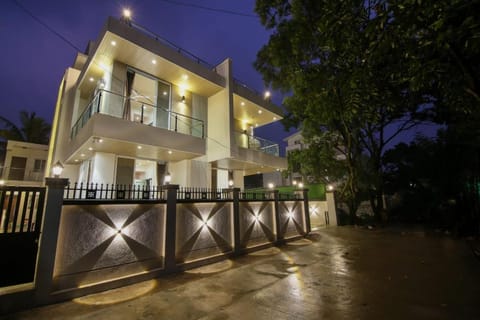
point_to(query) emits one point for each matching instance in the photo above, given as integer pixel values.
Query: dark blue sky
(34, 58)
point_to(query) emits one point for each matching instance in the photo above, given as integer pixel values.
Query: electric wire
(225, 11)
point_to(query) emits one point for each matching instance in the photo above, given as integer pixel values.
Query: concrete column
(48, 239)
(236, 222)
(171, 227)
(331, 207)
(278, 226)
(306, 210)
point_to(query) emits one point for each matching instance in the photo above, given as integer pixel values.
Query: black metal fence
(206, 194)
(20, 222)
(96, 191)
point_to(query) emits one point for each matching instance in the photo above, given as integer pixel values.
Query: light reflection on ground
(212, 268)
(266, 252)
(118, 295)
(301, 242)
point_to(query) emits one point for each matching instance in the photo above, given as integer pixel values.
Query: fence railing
(21, 209)
(244, 140)
(100, 191)
(113, 104)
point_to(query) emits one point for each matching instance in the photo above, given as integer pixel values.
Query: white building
(135, 107)
(24, 164)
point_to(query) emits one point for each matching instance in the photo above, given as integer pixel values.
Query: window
(39, 165)
(17, 168)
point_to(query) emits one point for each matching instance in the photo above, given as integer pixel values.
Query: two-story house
(135, 107)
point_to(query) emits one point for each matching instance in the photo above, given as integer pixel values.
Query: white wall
(103, 168)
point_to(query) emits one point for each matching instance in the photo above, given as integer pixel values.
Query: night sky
(34, 58)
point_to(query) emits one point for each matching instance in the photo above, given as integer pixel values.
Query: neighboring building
(24, 164)
(294, 142)
(135, 107)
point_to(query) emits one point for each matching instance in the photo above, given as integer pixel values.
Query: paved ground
(339, 273)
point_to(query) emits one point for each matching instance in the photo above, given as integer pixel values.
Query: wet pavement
(337, 273)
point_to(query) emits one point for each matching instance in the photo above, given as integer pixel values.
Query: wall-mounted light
(267, 94)
(57, 169)
(290, 215)
(183, 99)
(294, 182)
(270, 185)
(127, 14)
(300, 185)
(167, 178)
(230, 183)
(330, 187)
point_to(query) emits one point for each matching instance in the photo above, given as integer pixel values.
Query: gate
(20, 223)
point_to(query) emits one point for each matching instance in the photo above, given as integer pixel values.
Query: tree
(341, 63)
(33, 129)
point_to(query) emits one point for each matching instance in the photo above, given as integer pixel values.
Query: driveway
(337, 273)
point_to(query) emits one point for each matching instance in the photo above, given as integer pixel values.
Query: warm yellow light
(267, 94)
(184, 77)
(330, 187)
(57, 169)
(300, 185)
(242, 103)
(139, 147)
(170, 151)
(113, 43)
(2, 182)
(154, 61)
(294, 182)
(82, 155)
(259, 111)
(270, 185)
(274, 118)
(164, 93)
(230, 183)
(127, 13)
(91, 79)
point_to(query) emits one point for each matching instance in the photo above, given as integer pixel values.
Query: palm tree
(33, 129)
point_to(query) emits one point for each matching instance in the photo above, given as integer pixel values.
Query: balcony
(131, 109)
(247, 141)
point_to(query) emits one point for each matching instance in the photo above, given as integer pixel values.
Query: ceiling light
(154, 61)
(260, 111)
(242, 103)
(90, 148)
(274, 118)
(100, 140)
(139, 147)
(185, 77)
(76, 160)
(170, 152)
(113, 43)
(82, 155)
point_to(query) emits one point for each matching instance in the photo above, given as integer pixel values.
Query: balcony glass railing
(247, 141)
(135, 110)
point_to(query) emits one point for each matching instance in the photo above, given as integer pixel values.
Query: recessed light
(170, 152)
(76, 160)
(185, 77)
(100, 140)
(91, 79)
(139, 147)
(90, 148)
(82, 155)
(113, 43)
(274, 118)
(154, 61)
(242, 103)
(260, 111)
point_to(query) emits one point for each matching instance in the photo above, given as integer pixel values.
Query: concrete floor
(338, 273)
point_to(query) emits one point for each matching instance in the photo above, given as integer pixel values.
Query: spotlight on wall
(289, 215)
(57, 169)
(167, 178)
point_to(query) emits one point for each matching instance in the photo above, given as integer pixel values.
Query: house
(134, 108)
(24, 164)
(294, 142)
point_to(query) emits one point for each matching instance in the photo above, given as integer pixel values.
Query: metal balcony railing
(244, 140)
(21, 174)
(116, 105)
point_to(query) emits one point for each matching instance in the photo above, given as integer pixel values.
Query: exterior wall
(103, 168)
(319, 215)
(257, 223)
(90, 248)
(218, 143)
(30, 151)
